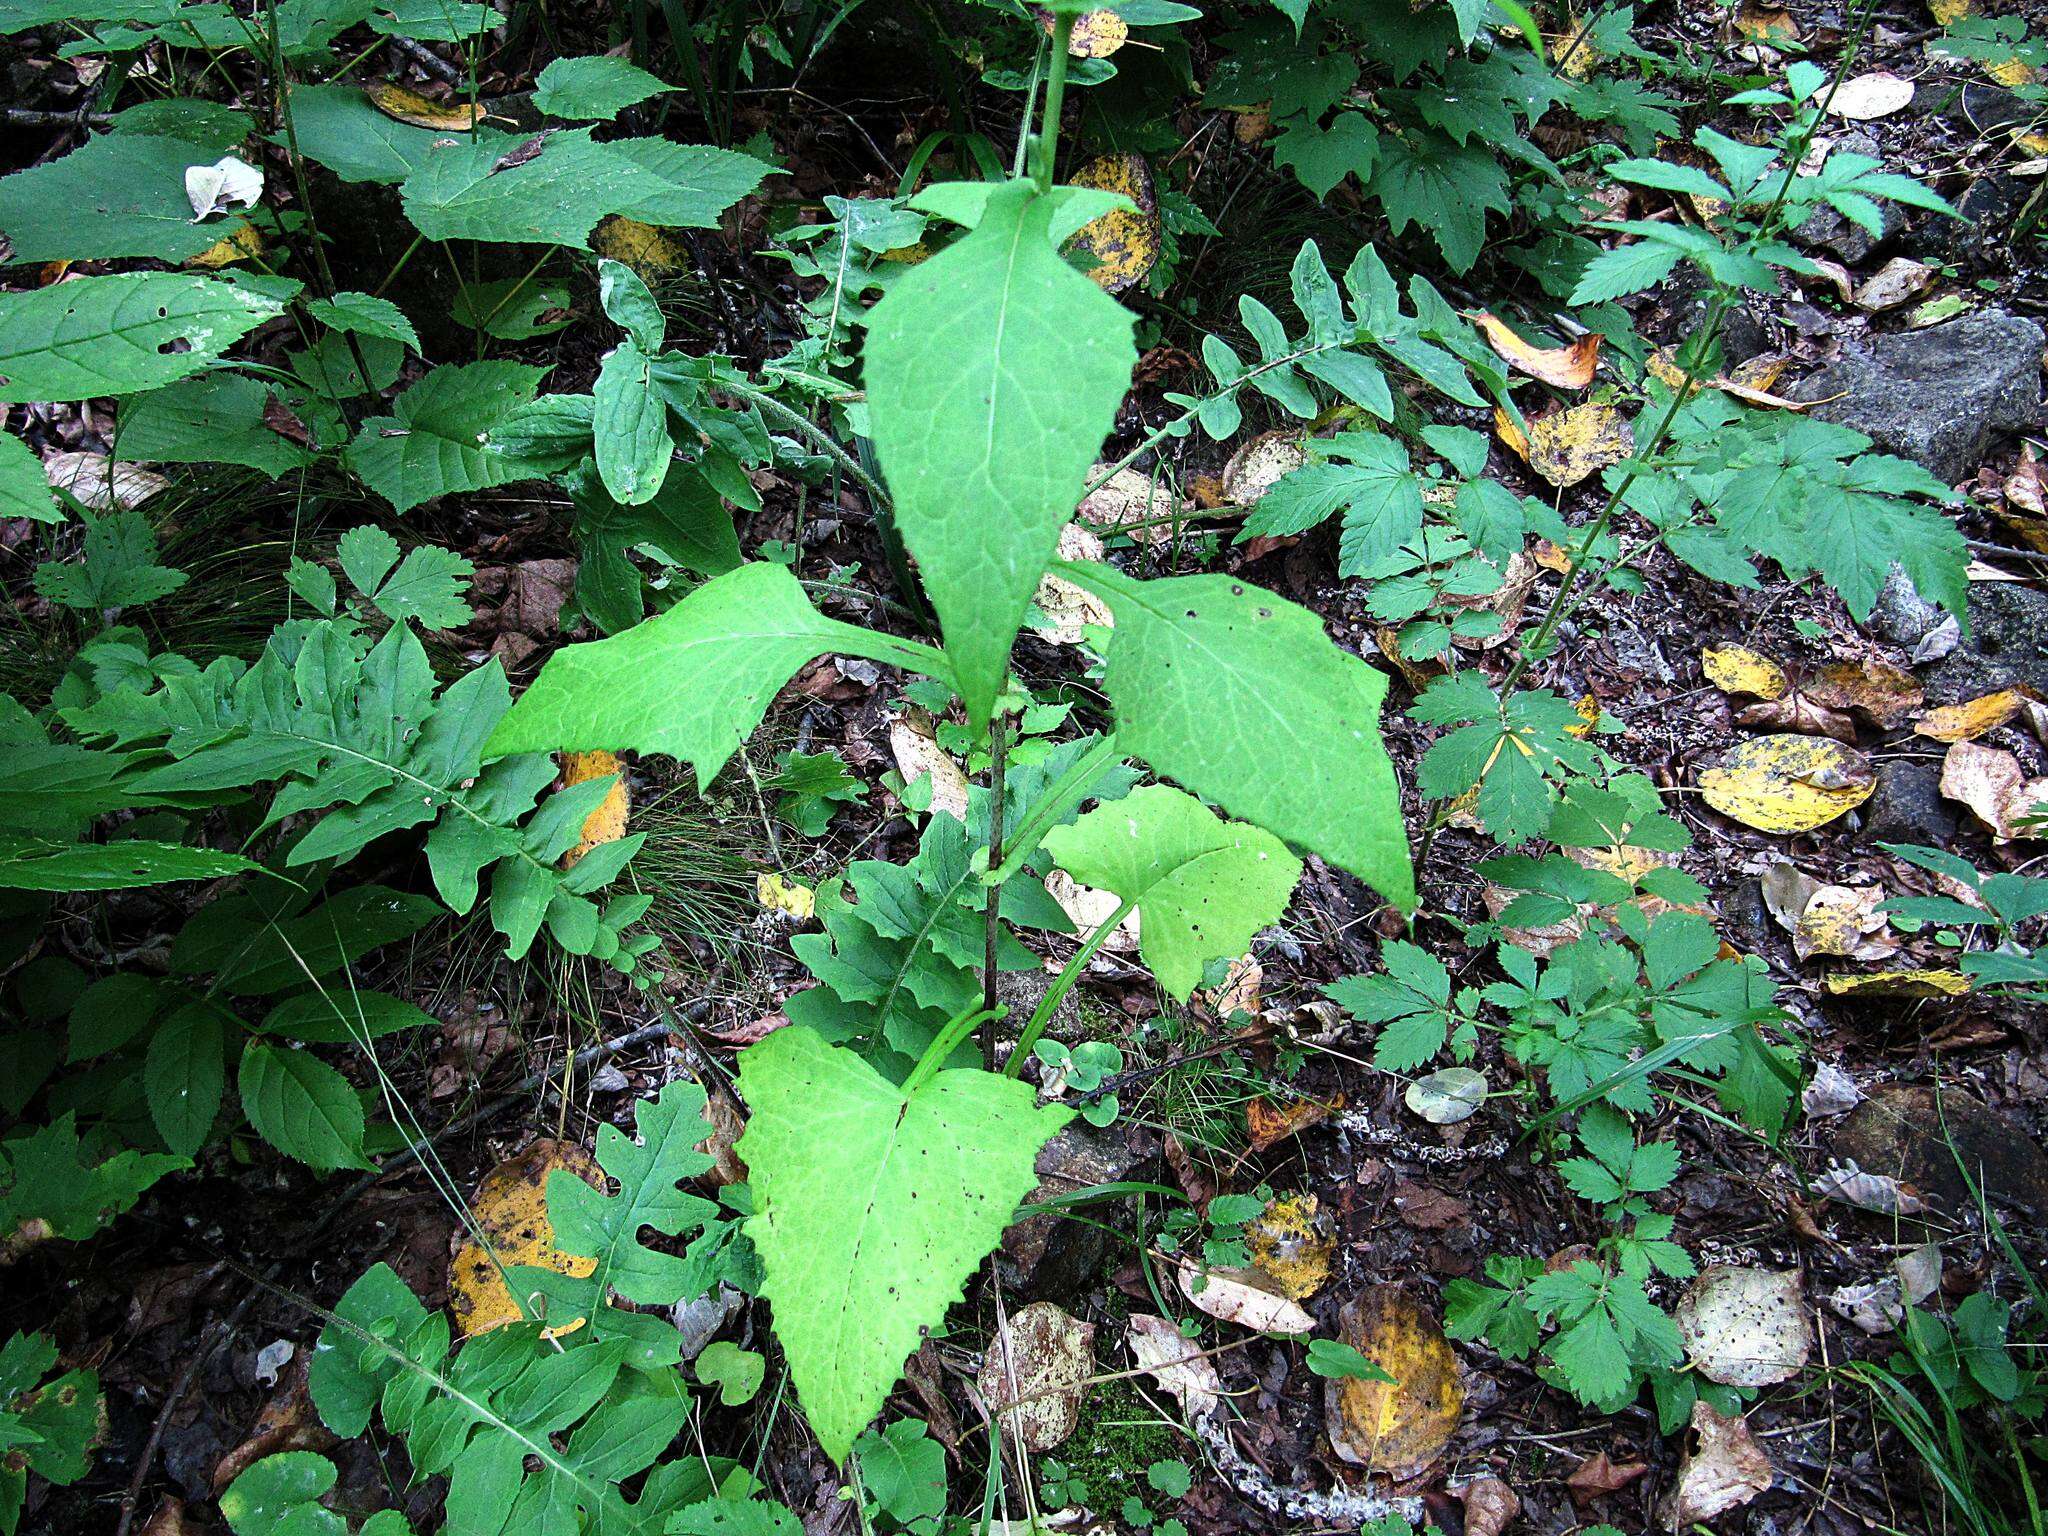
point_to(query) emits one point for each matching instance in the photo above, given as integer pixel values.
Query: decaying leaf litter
(1369, 1199)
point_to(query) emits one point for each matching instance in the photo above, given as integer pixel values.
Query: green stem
(992, 922)
(1055, 98)
(816, 435)
(1062, 985)
(956, 1029)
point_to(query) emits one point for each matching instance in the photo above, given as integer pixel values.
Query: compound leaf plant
(993, 376)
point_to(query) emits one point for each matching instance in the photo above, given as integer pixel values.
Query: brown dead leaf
(1798, 712)
(606, 824)
(1723, 1469)
(1089, 909)
(1845, 920)
(1898, 984)
(287, 1422)
(1567, 367)
(1899, 281)
(1745, 1326)
(1258, 464)
(1428, 1209)
(1990, 781)
(1124, 243)
(650, 251)
(1874, 688)
(1788, 783)
(1972, 718)
(511, 1210)
(1129, 503)
(99, 483)
(1242, 1296)
(1396, 1428)
(1290, 1244)
(919, 756)
(1599, 1475)
(1069, 608)
(1239, 991)
(409, 106)
(1174, 1362)
(1877, 94)
(1036, 1374)
(1490, 1506)
(1764, 23)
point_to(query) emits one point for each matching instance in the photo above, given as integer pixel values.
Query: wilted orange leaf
(409, 106)
(511, 1212)
(1567, 367)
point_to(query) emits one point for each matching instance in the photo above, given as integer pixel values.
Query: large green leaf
(872, 1208)
(183, 1074)
(597, 88)
(629, 425)
(466, 189)
(993, 372)
(337, 127)
(692, 682)
(696, 183)
(216, 418)
(116, 335)
(1202, 885)
(606, 1228)
(434, 444)
(1240, 696)
(118, 195)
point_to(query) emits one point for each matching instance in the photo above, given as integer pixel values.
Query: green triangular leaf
(872, 1207)
(993, 372)
(1202, 885)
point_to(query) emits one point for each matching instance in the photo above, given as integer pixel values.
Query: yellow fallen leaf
(1124, 243)
(1242, 1296)
(1844, 920)
(1568, 367)
(648, 250)
(1566, 446)
(1589, 712)
(779, 894)
(1973, 717)
(606, 824)
(1399, 1428)
(409, 106)
(1948, 12)
(1765, 23)
(1738, 669)
(1097, 34)
(240, 244)
(1290, 1243)
(1511, 433)
(1899, 984)
(510, 1207)
(1788, 783)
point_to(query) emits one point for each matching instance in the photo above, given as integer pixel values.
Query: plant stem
(950, 1034)
(1062, 985)
(816, 435)
(992, 925)
(1055, 98)
(1073, 785)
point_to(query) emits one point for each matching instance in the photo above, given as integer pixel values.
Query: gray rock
(1907, 807)
(1045, 1256)
(2008, 645)
(1904, 1132)
(1826, 230)
(1900, 614)
(1936, 396)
